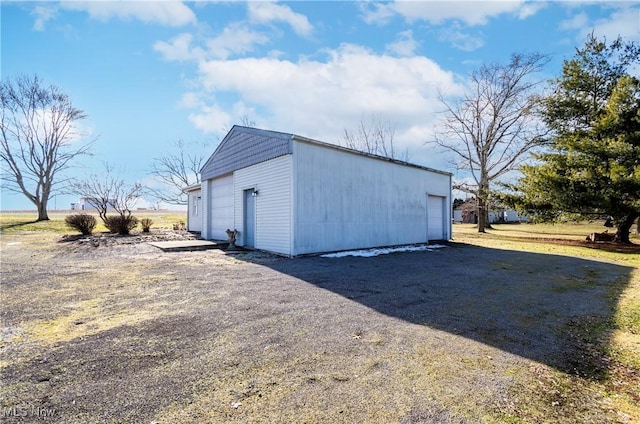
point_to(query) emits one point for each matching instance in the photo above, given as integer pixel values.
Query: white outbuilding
(292, 195)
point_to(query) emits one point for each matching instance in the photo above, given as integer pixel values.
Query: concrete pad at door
(176, 245)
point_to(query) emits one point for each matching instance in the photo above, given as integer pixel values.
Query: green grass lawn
(622, 353)
(569, 230)
(561, 239)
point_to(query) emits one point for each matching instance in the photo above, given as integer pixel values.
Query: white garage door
(435, 217)
(221, 204)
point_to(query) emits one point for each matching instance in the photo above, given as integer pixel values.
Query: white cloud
(579, 21)
(319, 99)
(461, 40)
(191, 100)
(437, 12)
(216, 119)
(169, 13)
(621, 20)
(530, 8)
(211, 119)
(236, 38)
(376, 13)
(404, 45)
(179, 48)
(353, 80)
(43, 14)
(624, 22)
(266, 12)
(275, 54)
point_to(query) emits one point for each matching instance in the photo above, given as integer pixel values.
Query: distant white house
(457, 216)
(512, 216)
(467, 213)
(292, 195)
(87, 204)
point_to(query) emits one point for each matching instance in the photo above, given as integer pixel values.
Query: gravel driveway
(127, 333)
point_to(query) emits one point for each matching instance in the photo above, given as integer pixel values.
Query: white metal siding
(346, 201)
(220, 207)
(194, 209)
(273, 216)
(204, 192)
(435, 217)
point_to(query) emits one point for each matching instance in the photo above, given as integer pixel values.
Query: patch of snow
(368, 253)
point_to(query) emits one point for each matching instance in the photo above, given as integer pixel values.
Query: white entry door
(249, 218)
(435, 217)
(194, 220)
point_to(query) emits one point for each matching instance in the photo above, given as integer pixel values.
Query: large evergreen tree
(593, 164)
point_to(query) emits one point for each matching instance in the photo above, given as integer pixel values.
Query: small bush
(81, 222)
(180, 226)
(121, 224)
(146, 224)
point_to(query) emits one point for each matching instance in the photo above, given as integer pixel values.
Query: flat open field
(494, 328)
(26, 220)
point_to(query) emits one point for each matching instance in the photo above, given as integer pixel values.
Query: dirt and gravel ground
(115, 332)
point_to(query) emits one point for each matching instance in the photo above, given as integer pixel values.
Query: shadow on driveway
(519, 302)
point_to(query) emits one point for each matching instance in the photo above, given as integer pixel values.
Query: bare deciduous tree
(108, 191)
(245, 121)
(375, 137)
(39, 138)
(494, 124)
(181, 168)
(177, 170)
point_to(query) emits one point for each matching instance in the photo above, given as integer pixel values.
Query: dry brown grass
(26, 221)
(127, 333)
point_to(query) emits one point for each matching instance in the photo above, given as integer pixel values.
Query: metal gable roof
(246, 146)
(243, 147)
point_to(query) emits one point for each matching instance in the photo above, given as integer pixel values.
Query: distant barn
(293, 195)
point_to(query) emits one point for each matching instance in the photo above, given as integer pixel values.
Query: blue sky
(151, 72)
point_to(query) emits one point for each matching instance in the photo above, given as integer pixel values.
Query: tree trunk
(638, 226)
(624, 227)
(482, 215)
(487, 221)
(483, 209)
(42, 211)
